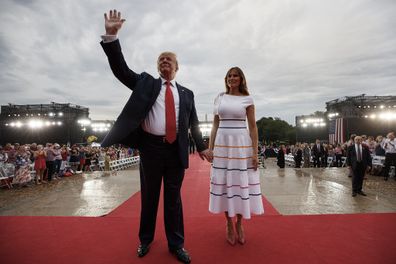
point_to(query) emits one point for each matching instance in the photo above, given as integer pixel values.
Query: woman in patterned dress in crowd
(22, 167)
(235, 183)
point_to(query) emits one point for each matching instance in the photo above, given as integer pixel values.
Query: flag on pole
(337, 131)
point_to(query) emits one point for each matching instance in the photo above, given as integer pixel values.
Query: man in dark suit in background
(359, 160)
(317, 152)
(155, 120)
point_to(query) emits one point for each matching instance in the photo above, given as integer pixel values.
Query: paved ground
(291, 191)
(324, 191)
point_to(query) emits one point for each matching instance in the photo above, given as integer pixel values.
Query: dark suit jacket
(316, 152)
(352, 157)
(127, 128)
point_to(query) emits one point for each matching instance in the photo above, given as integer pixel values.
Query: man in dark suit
(155, 120)
(317, 153)
(359, 160)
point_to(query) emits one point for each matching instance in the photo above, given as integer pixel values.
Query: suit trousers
(357, 177)
(317, 160)
(159, 161)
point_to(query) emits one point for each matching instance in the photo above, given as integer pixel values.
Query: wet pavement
(90, 194)
(324, 191)
(291, 191)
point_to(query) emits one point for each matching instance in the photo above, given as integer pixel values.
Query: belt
(155, 138)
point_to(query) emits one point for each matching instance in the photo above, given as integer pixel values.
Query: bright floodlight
(84, 122)
(388, 116)
(60, 114)
(35, 123)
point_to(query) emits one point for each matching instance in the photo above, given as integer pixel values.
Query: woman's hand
(255, 162)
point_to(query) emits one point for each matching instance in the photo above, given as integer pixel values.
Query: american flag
(337, 131)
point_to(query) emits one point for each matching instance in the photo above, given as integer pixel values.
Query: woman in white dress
(234, 182)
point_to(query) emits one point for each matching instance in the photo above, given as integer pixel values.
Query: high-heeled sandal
(241, 233)
(230, 234)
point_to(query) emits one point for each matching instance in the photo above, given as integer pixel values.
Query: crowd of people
(44, 163)
(316, 154)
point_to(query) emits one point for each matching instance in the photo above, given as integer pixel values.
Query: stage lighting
(387, 116)
(35, 123)
(84, 122)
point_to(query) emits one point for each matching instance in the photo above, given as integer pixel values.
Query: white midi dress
(234, 184)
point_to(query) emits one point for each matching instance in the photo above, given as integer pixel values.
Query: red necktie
(170, 115)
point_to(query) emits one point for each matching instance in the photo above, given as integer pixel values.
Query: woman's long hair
(243, 86)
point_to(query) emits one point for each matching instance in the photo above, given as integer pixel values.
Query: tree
(272, 130)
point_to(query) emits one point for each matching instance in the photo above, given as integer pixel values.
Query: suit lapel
(182, 104)
(157, 89)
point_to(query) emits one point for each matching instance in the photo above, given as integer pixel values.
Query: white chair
(4, 178)
(343, 161)
(330, 161)
(378, 161)
(101, 165)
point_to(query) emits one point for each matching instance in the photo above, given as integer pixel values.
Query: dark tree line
(275, 130)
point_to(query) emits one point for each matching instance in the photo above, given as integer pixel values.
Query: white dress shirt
(390, 145)
(154, 123)
(358, 147)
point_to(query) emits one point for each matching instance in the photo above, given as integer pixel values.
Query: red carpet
(357, 238)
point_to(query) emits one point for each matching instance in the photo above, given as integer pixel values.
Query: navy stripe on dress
(220, 168)
(236, 195)
(233, 127)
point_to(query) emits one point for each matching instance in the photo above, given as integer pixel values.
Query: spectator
(307, 156)
(338, 155)
(281, 157)
(50, 161)
(379, 150)
(40, 164)
(389, 146)
(298, 155)
(57, 160)
(318, 153)
(22, 167)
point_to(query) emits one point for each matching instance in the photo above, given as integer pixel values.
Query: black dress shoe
(354, 194)
(362, 193)
(181, 254)
(142, 250)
